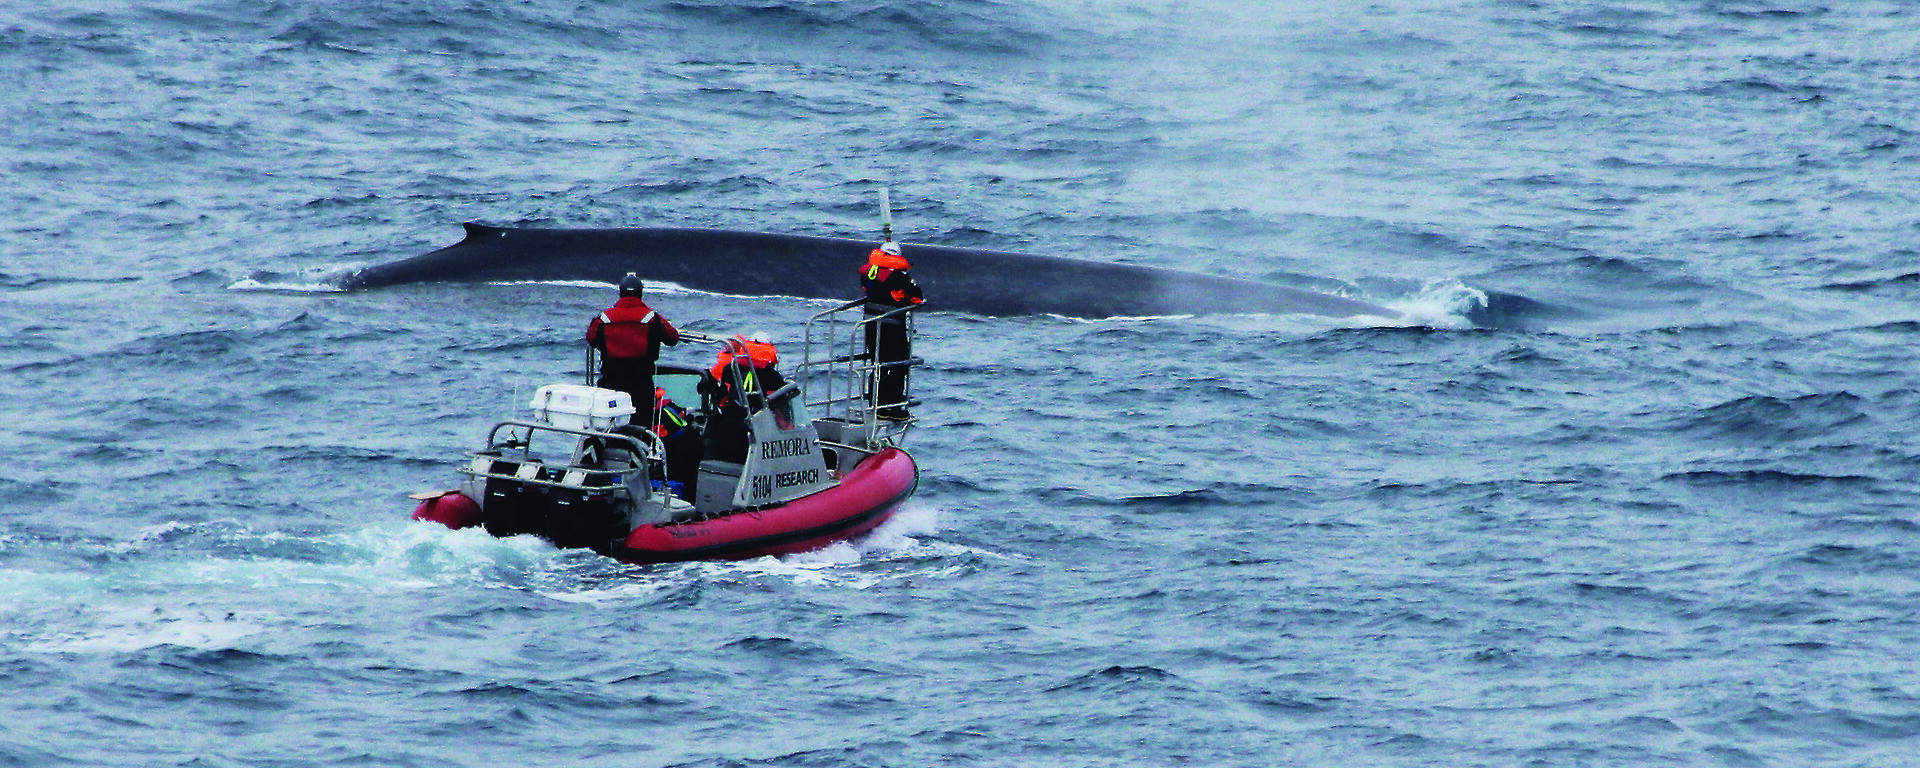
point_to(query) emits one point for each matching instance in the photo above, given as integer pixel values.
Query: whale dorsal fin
(477, 231)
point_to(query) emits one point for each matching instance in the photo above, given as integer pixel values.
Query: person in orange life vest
(749, 364)
(742, 375)
(889, 286)
(628, 336)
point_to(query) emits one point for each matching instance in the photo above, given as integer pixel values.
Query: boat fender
(452, 509)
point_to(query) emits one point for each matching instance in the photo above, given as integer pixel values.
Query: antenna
(886, 215)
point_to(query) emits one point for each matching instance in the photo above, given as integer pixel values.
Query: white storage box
(578, 406)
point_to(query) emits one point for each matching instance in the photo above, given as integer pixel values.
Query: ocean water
(1656, 507)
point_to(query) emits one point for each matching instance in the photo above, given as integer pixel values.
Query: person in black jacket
(743, 375)
(889, 286)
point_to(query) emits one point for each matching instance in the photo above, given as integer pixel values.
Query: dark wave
(976, 26)
(676, 187)
(186, 343)
(1120, 679)
(1769, 14)
(1901, 284)
(1748, 87)
(18, 494)
(1766, 417)
(1516, 312)
(1173, 501)
(1853, 558)
(1763, 478)
(28, 281)
(775, 652)
(1212, 497)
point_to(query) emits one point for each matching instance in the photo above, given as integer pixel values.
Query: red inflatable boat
(738, 477)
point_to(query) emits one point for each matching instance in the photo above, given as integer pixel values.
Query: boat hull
(864, 498)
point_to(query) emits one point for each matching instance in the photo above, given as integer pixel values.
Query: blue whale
(993, 283)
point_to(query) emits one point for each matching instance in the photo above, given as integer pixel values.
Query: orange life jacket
(759, 354)
(880, 258)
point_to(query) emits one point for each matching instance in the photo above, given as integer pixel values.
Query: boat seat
(717, 482)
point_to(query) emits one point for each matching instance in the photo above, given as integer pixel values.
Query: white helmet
(890, 247)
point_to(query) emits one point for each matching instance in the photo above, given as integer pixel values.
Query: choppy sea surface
(1659, 510)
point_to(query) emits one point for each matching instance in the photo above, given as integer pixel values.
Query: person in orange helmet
(889, 286)
(743, 374)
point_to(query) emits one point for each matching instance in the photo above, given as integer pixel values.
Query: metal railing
(646, 449)
(837, 374)
(843, 380)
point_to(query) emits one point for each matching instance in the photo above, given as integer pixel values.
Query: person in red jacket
(889, 287)
(628, 336)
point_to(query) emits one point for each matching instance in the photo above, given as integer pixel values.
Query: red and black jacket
(631, 330)
(887, 283)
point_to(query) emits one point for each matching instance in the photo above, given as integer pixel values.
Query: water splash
(1440, 303)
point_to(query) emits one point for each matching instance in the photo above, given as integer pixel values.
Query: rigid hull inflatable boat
(736, 478)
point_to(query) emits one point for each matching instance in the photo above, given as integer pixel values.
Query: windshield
(682, 387)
